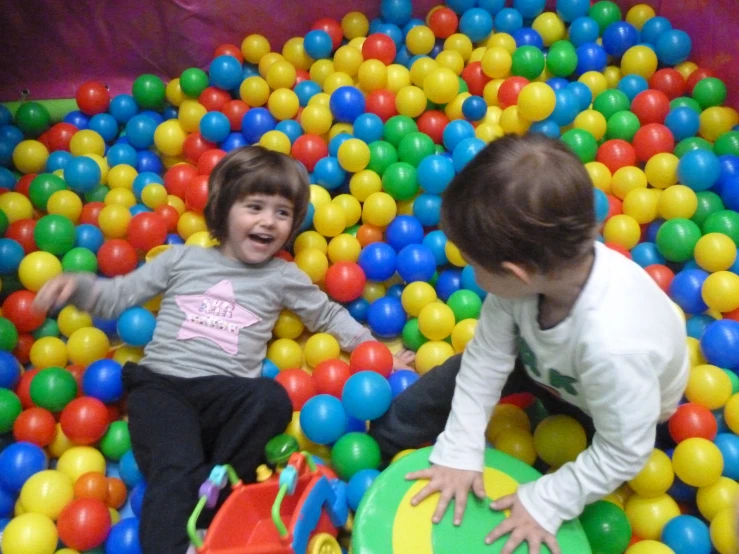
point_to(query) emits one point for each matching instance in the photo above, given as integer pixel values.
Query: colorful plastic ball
(721, 291)
(345, 281)
(607, 527)
(329, 377)
(358, 486)
(582, 143)
(648, 516)
(686, 534)
(728, 444)
(355, 452)
(84, 523)
(416, 262)
(18, 462)
(699, 169)
(37, 268)
(697, 462)
(685, 289)
(82, 174)
(53, 388)
(436, 321)
(378, 260)
(116, 257)
(677, 239)
(85, 420)
(720, 343)
(714, 498)
(432, 354)
(102, 380)
(673, 47)
(683, 123)
(30, 533)
(323, 419)
(386, 317)
(553, 433)
(618, 37)
(692, 420)
(366, 395)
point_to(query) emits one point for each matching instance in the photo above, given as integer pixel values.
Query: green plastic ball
(352, 230)
(10, 409)
(399, 181)
(413, 339)
(280, 448)
(49, 328)
(414, 147)
(53, 388)
(382, 155)
(734, 378)
(582, 143)
(611, 101)
(42, 187)
(607, 527)
(465, 304)
(55, 234)
(193, 81)
(80, 259)
(3, 222)
(116, 441)
(354, 452)
(32, 118)
(97, 194)
(605, 13)
(561, 59)
(397, 127)
(8, 332)
(148, 92)
(710, 92)
(691, 143)
(622, 125)
(676, 239)
(728, 143)
(685, 102)
(723, 221)
(708, 203)
(528, 61)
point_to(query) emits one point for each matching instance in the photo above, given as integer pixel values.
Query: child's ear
(518, 271)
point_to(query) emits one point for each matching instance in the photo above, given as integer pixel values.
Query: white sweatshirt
(620, 356)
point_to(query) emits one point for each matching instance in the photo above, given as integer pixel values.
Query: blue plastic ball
(569, 10)
(148, 161)
(584, 29)
(436, 241)
(618, 37)
(78, 119)
(102, 380)
(567, 105)
(18, 462)
(469, 282)
(400, 380)
(699, 169)
(460, 6)
(358, 485)
(590, 57)
(366, 395)
(368, 127)
(476, 23)
(449, 282)
(465, 151)
(119, 154)
(720, 343)
(10, 370)
(653, 28)
(697, 324)
(529, 9)
(269, 369)
(673, 47)
(323, 419)
(602, 205)
(683, 122)
(11, 256)
(728, 444)
(256, 122)
(386, 317)
(336, 142)
(646, 254)
(474, 108)
(129, 470)
(526, 36)
(455, 132)
(291, 128)
(687, 534)
(305, 90)
(328, 173)
(685, 290)
(416, 262)
(347, 104)
(7, 503)
(402, 231)
(507, 20)
(124, 537)
(434, 173)
(631, 85)
(140, 131)
(105, 125)
(123, 107)
(90, 237)
(397, 12)
(82, 174)
(427, 208)
(233, 141)
(225, 72)
(359, 309)
(546, 127)
(136, 326)
(215, 126)
(377, 260)
(318, 44)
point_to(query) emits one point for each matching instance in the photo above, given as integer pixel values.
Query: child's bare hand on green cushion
(452, 484)
(522, 527)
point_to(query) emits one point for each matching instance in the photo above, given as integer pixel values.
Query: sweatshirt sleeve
(623, 395)
(487, 362)
(107, 298)
(318, 312)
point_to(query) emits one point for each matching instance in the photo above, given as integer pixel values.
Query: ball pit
(383, 113)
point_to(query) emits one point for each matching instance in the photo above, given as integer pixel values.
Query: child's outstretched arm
(107, 298)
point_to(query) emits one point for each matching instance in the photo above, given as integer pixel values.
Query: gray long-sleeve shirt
(217, 314)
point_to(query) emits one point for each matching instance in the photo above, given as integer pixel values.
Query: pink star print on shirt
(215, 315)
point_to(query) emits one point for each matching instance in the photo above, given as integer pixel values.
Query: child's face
(512, 282)
(258, 226)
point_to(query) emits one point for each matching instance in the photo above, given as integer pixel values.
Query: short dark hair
(523, 199)
(254, 170)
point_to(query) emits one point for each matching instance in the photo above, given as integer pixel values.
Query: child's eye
(284, 213)
(254, 207)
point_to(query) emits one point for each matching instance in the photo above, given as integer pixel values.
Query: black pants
(180, 428)
(418, 415)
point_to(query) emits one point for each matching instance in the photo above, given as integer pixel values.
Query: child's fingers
(441, 506)
(478, 487)
(424, 493)
(66, 292)
(551, 542)
(422, 474)
(45, 296)
(460, 504)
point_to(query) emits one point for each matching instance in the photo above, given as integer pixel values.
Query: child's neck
(559, 294)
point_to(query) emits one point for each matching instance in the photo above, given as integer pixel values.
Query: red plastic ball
(697, 76)
(209, 159)
(345, 281)
(36, 425)
(475, 78)
(372, 356)
(84, 420)
(329, 377)
(178, 177)
(17, 307)
(299, 386)
(285, 255)
(93, 98)
(443, 22)
(308, 149)
(692, 420)
(379, 46)
(381, 102)
(91, 213)
(60, 135)
(615, 206)
(332, 27)
(147, 230)
(520, 399)
(23, 185)
(22, 350)
(652, 139)
(651, 106)
(432, 123)
(23, 390)
(213, 99)
(234, 110)
(300, 76)
(84, 523)
(195, 146)
(229, 50)
(615, 154)
(509, 91)
(668, 81)
(661, 274)
(117, 257)
(196, 194)
(117, 493)
(170, 215)
(620, 249)
(77, 372)
(21, 231)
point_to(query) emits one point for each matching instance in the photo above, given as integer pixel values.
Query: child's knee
(277, 402)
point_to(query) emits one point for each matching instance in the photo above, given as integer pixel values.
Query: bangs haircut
(526, 200)
(254, 170)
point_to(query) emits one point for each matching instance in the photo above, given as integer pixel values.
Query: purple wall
(51, 47)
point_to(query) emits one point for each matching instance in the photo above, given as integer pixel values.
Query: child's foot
(404, 359)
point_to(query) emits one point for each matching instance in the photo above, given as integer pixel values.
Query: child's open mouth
(261, 238)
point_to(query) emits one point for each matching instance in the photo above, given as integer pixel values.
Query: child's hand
(521, 526)
(55, 293)
(452, 484)
(403, 359)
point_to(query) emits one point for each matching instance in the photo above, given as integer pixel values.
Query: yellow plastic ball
(436, 321)
(29, 156)
(189, 224)
(314, 263)
(29, 534)
(71, 318)
(174, 92)
(283, 104)
(506, 416)
(347, 59)
(372, 75)
(640, 14)
(373, 291)
(340, 129)
(550, 26)
(677, 201)
(723, 531)
(330, 220)
(190, 114)
(321, 347)
(460, 43)
(441, 85)
(697, 462)
(622, 230)
(595, 81)
(661, 170)
(103, 165)
(288, 326)
(559, 439)
(518, 443)
(285, 354)
(154, 195)
(504, 40)
(420, 40)
(639, 60)
(114, 220)
(127, 353)
(648, 516)
(177, 203)
(254, 91)
(715, 121)
(320, 70)
(422, 68)
(641, 204)
(319, 196)
(87, 345)
(453, 109)
(355, 24)
(398, 76)
(451, 59)
(66, 203)
(122, 176)
(379, 209)
(79, 460)
(715, 252)
(513, 123)
(600, 175)
(626, 179)
(431, 354)
(47, 493)
(655, 477)
(16, 206)
(686, 69)
(276, 141)
(454, 255)
(169, 137)
(338, 79)
(708, 386)
(717, 497)
(721, 291)
(477, 54)
(416, 296)
(591, 121)
(613, 75)
(310, 239)
(536, 102)
(49, 352)
(281, 74)
(410, 101)
(488, 132)
(316, 119)
(267, 61)
(86, 142)
(351, 206)
(694, 352)
(353, 155)
(60, 444)
(253, 47)
(463, 333)
(344, 248)
(649, 547)
(37, 268)
(121, 197)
